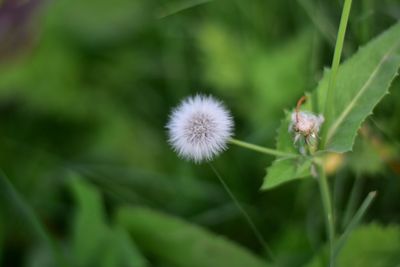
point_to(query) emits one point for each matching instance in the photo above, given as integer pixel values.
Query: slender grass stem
(352, 202)
(336, 56)
(250, 222)
(355, 221)
(261, 149)
(328, 210)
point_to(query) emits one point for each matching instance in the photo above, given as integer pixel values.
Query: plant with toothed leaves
(201, 127)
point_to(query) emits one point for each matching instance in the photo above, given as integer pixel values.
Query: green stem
(261, 149)
(352, 202)
(247, 217)
(328, 210)
(355, 221)
(337, 54)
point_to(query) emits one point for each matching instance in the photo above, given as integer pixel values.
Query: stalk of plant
(324, 186)
(200, 129)
(328, 208)
(336, 56)
(261, 149)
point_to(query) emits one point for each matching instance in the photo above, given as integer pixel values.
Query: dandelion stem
(328, 210)
(244, 213)
(261, 149)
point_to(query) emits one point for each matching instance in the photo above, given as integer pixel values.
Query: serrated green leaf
(368, 246)
(361, 83)
(181, 244)
(285, 170)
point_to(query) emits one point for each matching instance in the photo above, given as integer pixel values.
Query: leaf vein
(351, 105)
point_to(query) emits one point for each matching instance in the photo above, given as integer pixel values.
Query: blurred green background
(88, 178)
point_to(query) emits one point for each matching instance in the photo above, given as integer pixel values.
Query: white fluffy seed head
(306, 125)
(199, 128)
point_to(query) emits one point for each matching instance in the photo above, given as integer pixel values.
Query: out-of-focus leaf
(369, 246)
(123, 252)
(97, 22)
(40, 256)
(363, 152)
(181, 6)
(29, 217)
(225, 62)
(137, 186)
(292, 247)
(279, 76)
(92, 236)
(181, 244)
(361, 83)
(89, 228)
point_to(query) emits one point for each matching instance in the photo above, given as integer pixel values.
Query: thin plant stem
(261, 149)
(337, 55)
(328, 210)
(355, 221)
(247, 217)
(352, 202)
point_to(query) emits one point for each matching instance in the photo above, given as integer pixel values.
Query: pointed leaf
(92, 235)
(285, 170)
(361, 83)
(369, 245)
(181, 244)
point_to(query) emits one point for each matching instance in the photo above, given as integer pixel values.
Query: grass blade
(355, 221)
(337, 54)
(11, 195)
(176, 8)
(355, 196)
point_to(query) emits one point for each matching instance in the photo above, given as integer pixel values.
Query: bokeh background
(85, 92)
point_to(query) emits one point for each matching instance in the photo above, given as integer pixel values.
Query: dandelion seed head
(199, 128)
(306, 123)
(305, 126)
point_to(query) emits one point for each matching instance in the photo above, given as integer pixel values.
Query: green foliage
(86, 88)
(280, 69)
(95, 243)
(293, 247)
(181, 244)
(284, 170)
(370, 245)
(220, 46)
(365, 152)
(361, 83)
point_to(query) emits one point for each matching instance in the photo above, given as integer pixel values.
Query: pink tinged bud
(305, 124)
